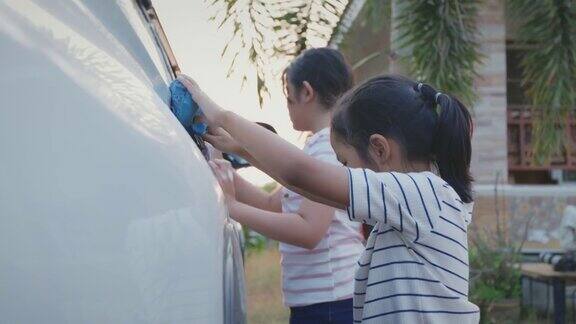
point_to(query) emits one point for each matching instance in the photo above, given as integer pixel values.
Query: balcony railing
(520, 153)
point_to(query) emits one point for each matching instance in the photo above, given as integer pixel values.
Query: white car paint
(108, 211)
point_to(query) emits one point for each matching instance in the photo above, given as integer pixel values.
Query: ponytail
(451, 146)
(429, 125)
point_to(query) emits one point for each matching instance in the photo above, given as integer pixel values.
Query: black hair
(429, 126)
(325, 69)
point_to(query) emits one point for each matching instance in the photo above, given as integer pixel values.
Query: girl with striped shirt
(406, 150)
(319, 245)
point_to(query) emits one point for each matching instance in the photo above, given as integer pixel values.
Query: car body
(109, 212)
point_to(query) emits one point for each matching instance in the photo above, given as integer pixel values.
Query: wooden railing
(520, 157)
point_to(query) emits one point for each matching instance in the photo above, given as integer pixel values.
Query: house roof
(350, 13)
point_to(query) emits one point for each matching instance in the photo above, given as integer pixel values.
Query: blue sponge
(185, 109)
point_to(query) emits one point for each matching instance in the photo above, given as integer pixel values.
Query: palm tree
(549, 69)
(441, 37)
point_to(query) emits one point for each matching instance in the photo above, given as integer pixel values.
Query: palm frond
(249, 21)
(266, 32)
(549, 76)
(441, 36)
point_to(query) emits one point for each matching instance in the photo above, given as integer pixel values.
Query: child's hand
(211, 111)
(221, 140)
(225, 175)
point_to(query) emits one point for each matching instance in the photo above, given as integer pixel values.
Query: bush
(495, 278)
(494, 271)
(254, 241)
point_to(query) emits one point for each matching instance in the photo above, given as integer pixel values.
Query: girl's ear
(379, 150)
(307, 93)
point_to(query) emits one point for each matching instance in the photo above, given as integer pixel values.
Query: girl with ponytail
(406, 151)
(318, 244)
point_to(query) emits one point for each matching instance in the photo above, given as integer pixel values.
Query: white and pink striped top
(325, 273)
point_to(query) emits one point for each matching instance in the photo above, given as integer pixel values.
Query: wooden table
(544, 272)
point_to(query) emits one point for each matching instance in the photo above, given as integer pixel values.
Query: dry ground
(263, 285)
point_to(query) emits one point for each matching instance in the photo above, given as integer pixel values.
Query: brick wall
(489, 144)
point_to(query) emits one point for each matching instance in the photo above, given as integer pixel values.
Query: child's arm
(249, 194)
(246, 192)
(289, 164)
(314, 179)
(304, 229)
(220, 139)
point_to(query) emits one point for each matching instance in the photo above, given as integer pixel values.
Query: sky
(197, 44)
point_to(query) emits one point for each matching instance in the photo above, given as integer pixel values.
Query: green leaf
(442, 38)
(270, 31)
(549, 75)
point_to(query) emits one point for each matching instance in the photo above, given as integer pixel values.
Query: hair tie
(438, 94)
(419, 86)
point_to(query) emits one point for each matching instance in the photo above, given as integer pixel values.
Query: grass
(264, 288)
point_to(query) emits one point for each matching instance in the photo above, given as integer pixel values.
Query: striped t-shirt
(325, 273)
(415, 266)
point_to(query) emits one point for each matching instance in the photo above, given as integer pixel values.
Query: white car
(109, 212)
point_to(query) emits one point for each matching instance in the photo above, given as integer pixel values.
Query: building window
(522, 170)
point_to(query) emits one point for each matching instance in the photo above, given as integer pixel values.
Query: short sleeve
(321, 150)
(328, 157)
(382, 198)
